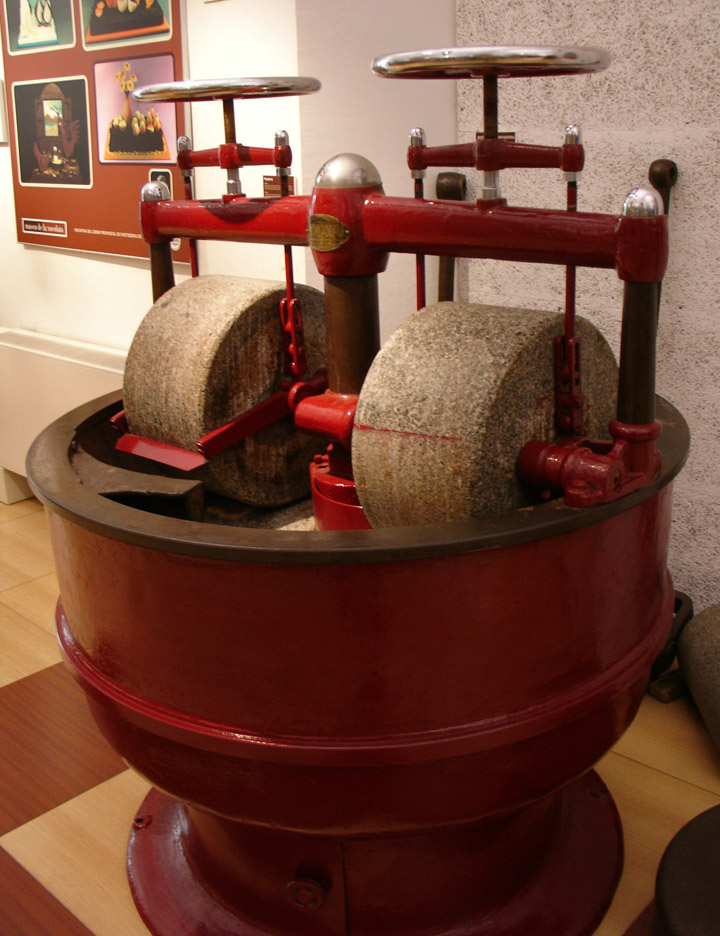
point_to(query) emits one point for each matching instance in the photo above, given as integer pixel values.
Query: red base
(335, 501)
(549, 870)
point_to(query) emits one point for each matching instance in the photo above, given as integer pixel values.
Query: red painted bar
(252, 220)
(235, 156)
(500, 232)
(636, 247)
(533, 235)
(495, 154)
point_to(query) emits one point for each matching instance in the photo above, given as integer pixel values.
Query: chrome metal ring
(226, 88)
(502, 61)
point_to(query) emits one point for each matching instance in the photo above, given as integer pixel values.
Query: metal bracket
(589, 472)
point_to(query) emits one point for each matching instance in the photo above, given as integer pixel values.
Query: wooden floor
(67, 801)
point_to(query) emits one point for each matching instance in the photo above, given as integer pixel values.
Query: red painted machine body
(367, 731)
(375, 684)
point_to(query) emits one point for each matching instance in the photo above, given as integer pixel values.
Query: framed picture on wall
(119, 22)
(38, 25)
(134, 133)
(53, 132)
(82, 147)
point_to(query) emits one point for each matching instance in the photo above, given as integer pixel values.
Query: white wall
(359, 112)
(86, 297)
(102, 299)
(237, 39)
(660, 98)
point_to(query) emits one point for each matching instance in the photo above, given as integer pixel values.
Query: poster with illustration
(118, 22)
(38, 25)
(81, 147)
(129, 131)
(53, 133)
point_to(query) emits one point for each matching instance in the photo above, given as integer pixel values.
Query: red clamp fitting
(329, 415)
(593, 472)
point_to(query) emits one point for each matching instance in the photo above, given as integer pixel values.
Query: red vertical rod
(192, 243)
(420, 258)
(568, 388)
(290, 312)
(184, 146)
(289, 277)
(570, 272)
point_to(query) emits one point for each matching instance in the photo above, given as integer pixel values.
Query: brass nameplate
(326, 233)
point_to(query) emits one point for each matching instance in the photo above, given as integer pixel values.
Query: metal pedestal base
(549, 869)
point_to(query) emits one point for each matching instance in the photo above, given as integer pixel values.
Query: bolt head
(306, 894)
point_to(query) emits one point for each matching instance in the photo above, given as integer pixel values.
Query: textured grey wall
(659, 98)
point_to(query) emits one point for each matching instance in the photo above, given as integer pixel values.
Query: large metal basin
(384, 731)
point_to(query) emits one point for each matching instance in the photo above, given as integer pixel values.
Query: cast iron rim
(56, 484)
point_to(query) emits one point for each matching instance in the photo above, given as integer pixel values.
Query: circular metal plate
(224, 88)
(502, 61)
(581, 870)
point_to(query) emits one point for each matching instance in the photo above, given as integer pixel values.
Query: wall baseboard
(41, 378)
(13, 487)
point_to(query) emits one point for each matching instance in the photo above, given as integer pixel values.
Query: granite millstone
(207, 351)
(699, 658)
(451, 399)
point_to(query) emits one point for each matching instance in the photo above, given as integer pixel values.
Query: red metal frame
(636, 248)
(495, 154)
(235, 156)
(374, 225)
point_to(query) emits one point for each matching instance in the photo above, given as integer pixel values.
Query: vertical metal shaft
(636, 386)
(282, 139)
(491, 180)
(572, 136)
(233, 175)
(417, 138)
(451, 185)
(229, 120)
(161, 269)
(490, 106)
(420, 258)
(184, 144)
(570, 272)
(162, 274)
(353, 329)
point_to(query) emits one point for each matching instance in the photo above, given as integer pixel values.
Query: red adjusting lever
(275, 407)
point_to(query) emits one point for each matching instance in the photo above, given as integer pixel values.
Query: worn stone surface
(660, 98)
(699, 658)
(449, 402)
(208, 350)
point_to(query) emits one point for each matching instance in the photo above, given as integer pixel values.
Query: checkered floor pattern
(67, 801)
